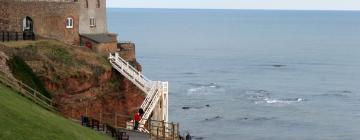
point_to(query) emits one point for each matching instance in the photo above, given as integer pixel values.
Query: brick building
(75, 22)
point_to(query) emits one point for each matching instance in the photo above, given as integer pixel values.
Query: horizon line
(269, 9)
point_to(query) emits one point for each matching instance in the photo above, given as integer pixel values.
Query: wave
(263, 96)
(210, 85)
(189, 73)
(280, 101)
(257, 94)
(340, 93)
(256, 118)
(202, 88)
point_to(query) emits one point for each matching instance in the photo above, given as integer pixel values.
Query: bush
(24, 73)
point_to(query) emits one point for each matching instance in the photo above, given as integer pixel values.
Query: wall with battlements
(49, 18)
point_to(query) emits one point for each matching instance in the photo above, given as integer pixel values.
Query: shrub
(24, 73)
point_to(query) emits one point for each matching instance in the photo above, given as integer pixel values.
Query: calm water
(265, 75)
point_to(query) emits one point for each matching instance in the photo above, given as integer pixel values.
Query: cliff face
(79, 80)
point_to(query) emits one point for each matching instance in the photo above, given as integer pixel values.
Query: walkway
(136, 135)
(117, 133)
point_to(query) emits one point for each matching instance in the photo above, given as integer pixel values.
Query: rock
(186, 108)
(214, 118)
(197, 138)
(278, 66)
(207, 105)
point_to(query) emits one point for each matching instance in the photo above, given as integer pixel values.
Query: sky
(240, 4)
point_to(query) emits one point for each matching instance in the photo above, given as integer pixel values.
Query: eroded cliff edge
(77, 79)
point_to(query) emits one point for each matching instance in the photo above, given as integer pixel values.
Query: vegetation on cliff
(53, 61)
(23, 72)
(22, 119)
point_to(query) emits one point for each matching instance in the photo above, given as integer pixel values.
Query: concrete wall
(88, 9)
(49, 18)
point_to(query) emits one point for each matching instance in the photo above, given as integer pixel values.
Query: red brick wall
(49, 18)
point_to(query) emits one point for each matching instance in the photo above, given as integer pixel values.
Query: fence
(15, 36)
(159, 130)
(27, 91)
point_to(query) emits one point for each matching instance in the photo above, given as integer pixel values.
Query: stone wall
(49, 18)
(103, 48)
(127, 51)
(106, 48)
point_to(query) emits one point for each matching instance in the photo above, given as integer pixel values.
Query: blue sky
(240, 4)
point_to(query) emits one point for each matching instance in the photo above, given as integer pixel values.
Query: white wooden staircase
(156, 91)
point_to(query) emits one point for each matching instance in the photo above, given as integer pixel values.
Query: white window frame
(92, 22)
(69, 23)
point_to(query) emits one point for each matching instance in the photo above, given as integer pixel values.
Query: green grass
(20, 119)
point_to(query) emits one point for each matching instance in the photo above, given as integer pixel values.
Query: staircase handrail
(151, 107)
(131, 67)
(133, 73)
(148, 98)
(153, 89)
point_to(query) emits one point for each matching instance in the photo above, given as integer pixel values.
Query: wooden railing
(159, 130)
(27, 91)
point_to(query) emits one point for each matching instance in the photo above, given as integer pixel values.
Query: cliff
(77, 79)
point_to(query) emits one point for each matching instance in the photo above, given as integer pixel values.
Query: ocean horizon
(300, 10)
(252, 74)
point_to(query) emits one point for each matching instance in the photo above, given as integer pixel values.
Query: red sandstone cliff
(79, 80)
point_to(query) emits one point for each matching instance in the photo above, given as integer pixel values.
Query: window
(86, 4)
(92, 22)
(27, 24)
(98, 4)
(69, 23)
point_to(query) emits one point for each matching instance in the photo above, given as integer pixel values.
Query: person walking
(137, 118)
(188, 136)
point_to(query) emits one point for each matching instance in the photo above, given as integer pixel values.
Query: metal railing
(46, 0)
(16, 36)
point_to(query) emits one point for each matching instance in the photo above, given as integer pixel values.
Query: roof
(100, 38)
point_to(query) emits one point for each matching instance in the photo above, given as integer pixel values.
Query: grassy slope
(20, 119)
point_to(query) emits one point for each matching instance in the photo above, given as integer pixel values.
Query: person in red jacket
(137, 118)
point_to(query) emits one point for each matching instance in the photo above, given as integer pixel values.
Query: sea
(252, 74)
